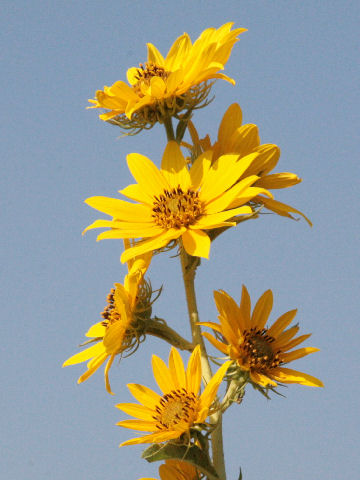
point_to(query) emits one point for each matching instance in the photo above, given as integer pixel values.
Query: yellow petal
(281, 323)
(162, 375)
(278, 180)
(178, 52)
(262, 310)
(96, 330)
(152, 244)
(154, 56)
(282, 209)
(216, 343)
(137, 411)
(95, 364)
(299, 353)
(287, 375)
(223, 174)
(293, 343)
(106, 374)
(85, 355)
(193, 371)
(176, 367)
(140, 425)
(231, 120)
(173, 167)
(210, 391)
(245, 308)
(147, 175)
(119, 209)
(228, 308)
(134, 192)
(200, 168)
(144, 395)
(196, 243)
(152, 438)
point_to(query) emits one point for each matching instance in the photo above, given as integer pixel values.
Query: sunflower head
(258, 352)
(122, 328)
(180, 408)
(233, 137)
(163, 87)
(175, 203)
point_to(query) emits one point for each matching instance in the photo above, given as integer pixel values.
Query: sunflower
(234, 138)
(115, 335)
(179, 408)
(259, 350)
(172, 84)
(176, 470)
(176, 202)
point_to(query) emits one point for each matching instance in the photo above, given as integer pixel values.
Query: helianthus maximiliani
(172, 84)
(261, 351)
(177, 470)
(234, 138)
(179, 408)
(115, 335)
(176, 202)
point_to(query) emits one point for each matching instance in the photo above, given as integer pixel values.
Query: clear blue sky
(297, 78)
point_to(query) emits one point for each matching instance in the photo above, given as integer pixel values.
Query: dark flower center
(176, 209)
(175, 407)
(145, 74)
(258, 349)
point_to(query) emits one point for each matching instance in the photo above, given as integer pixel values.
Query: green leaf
(192, 454)
(240, 475)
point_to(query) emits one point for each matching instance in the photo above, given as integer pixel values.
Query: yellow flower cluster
(186, 203)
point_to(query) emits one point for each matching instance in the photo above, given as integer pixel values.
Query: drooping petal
(85, 355)
(93, 366)
(106, 374)
(152, 244)
(152, 438)
(196, 243)
(217, 344)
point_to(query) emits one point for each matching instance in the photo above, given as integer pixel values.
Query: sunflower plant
(182, 203)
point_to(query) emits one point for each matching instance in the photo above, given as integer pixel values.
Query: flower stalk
(188, 266)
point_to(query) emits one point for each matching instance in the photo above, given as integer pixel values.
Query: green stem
(170, 135)
(189, 265)
(162, 330)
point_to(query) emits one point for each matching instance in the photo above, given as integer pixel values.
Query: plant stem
(163, 331)
(189, 265)
(170, 135)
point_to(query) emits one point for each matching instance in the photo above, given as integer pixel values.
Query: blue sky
(297, 78)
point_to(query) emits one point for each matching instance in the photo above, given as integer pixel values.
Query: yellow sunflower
(176, 470)
(173, 83)
(180, 407)
(114, 335)
(235, 138)
(176, 202)
(261, 351)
